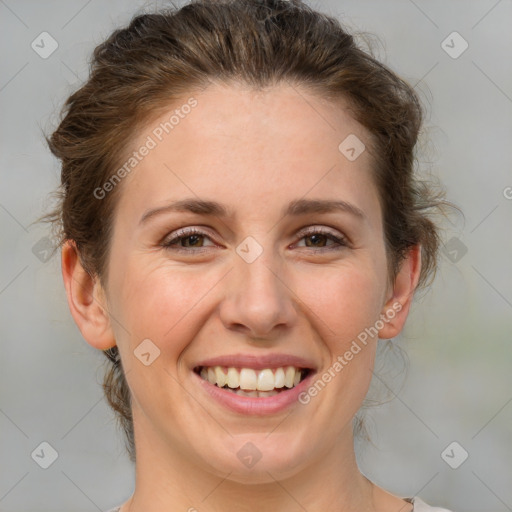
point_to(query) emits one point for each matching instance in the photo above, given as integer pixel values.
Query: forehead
(248, 147)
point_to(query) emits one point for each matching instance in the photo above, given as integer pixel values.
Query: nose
(258, 301)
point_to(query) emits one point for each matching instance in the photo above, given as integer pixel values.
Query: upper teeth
(249, 379)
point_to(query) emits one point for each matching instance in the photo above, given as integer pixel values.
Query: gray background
(458, 337)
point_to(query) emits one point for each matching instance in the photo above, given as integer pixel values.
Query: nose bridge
(259, 285)
(258, 299)
(258, 276)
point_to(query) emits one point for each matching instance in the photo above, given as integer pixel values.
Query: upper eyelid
(185, 232)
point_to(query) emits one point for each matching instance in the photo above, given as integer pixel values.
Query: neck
(167, 479)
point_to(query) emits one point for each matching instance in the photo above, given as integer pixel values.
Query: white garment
(419, 506)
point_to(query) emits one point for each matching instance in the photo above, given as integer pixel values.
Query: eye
(186, 240)
(193, 240)
(316, 237)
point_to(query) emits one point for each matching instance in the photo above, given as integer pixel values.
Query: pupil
(192, 239)
(316, 238)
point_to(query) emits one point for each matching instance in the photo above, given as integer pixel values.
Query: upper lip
(259, 362)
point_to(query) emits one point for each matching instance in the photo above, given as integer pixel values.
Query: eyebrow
(294, 208)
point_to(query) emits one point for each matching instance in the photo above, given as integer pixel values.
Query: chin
(259, 458)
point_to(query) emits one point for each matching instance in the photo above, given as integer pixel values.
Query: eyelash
(340, 241)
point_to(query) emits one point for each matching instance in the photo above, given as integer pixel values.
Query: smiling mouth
(253, 383)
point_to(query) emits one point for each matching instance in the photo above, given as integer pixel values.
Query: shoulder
(421, 506)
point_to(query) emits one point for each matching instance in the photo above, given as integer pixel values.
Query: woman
(240, 224)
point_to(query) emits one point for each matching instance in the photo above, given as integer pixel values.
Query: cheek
(168, 306)
(164, 304)
(345, 301)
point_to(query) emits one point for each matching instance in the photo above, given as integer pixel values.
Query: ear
(86, 300)
(395, 310)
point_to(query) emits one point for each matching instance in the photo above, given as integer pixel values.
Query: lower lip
(252, 405)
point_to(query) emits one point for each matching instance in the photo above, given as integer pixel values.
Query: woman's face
(264, 277)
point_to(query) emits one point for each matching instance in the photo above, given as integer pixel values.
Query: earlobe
(397, 305)
(86, 300)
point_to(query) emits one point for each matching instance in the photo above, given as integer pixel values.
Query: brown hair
(142, 69)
